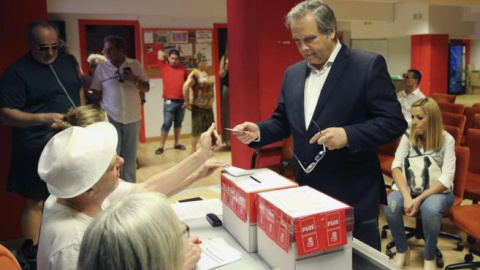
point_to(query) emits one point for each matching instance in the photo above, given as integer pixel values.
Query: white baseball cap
(76, 158)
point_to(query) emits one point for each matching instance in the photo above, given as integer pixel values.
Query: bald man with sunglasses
(35, 91)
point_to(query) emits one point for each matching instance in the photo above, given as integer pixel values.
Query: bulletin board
(190, 43)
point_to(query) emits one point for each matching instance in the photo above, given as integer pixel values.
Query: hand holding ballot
(250, 132)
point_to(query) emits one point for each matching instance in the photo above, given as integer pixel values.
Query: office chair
(462, 154)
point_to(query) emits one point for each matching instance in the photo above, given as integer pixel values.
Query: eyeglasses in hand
(317, 158)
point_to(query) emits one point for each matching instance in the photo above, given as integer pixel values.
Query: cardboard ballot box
(238, 202)
(304, 229)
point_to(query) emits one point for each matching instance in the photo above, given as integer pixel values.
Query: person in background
(427, 134)
(121, 80)
(200, 85)
(411, 93)
(225, 106)
(174, 75)
(140, 232)
(81, 169)
(93, 61)
(339, 105)
(34, 93)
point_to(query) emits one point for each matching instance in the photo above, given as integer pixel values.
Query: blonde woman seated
(427, 134)
(140, 232)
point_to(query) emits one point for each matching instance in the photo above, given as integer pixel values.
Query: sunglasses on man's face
(44, 47)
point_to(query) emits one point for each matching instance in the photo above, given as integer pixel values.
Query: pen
(255, 179)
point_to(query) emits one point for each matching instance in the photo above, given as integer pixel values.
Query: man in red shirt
(174, 75)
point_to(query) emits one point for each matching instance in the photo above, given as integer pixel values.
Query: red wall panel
(260, 49)
(430, 56)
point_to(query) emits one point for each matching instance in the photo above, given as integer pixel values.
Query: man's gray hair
(141, 232)
(320, 10)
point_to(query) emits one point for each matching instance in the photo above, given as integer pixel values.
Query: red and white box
(239, 195)
(304, 229)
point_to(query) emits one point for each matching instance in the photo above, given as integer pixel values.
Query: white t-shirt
(63, 229)
(121, 100)
(407, 100)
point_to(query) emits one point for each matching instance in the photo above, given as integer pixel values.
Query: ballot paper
(215, 253)
(236, 171)
(197, 209)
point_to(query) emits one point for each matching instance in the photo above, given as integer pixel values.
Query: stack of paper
(197, 209)
(215, 253)
(236, 171)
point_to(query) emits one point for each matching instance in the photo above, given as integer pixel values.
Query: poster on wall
(203, 36)
(191, 36)
(185, 49)
(162, 37)
(179, 36)
(205, 49)
(148, 37)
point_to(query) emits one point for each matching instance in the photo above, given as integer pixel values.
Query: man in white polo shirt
(121, 80)
(411, 93)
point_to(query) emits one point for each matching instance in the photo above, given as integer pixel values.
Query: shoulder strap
(414, 147)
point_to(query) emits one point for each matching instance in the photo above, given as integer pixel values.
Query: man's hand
(192, 253)
(128, 75)
(50, 118)
(246, 132)
(161, 55)
(332, 138)
(209, 141)
(210, 166)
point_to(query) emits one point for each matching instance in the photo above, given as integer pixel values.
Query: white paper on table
(215, 253)
(197, 209)
(236, 171)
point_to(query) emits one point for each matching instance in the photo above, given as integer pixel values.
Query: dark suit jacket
(359, 96)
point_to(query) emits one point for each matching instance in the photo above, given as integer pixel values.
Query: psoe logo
(308, 228)
(334, 222)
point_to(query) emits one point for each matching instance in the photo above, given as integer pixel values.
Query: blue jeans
(431, 211)
(172, 112)
(128, 138)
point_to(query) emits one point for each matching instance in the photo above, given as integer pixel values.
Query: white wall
(449, 20)
(475, 53)
(397, 51)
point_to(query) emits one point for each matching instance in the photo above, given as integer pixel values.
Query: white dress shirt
(121, 100)
(314, 84)
(407, 100)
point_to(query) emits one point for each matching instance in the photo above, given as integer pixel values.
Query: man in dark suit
(340, 99)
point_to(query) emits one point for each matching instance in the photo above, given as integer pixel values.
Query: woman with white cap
(81, 169)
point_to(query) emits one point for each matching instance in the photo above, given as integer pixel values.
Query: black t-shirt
(33, 88)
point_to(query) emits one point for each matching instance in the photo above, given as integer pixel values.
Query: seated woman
(427, 135)
(140, 232)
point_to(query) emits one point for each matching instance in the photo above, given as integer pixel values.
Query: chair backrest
(444, 98)
(462, 154)
(476, 121)
(454, 120)
(7, 260)
(473, 143)
(470, 113)
(451, 107)
(389, 148)
(455, 132)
